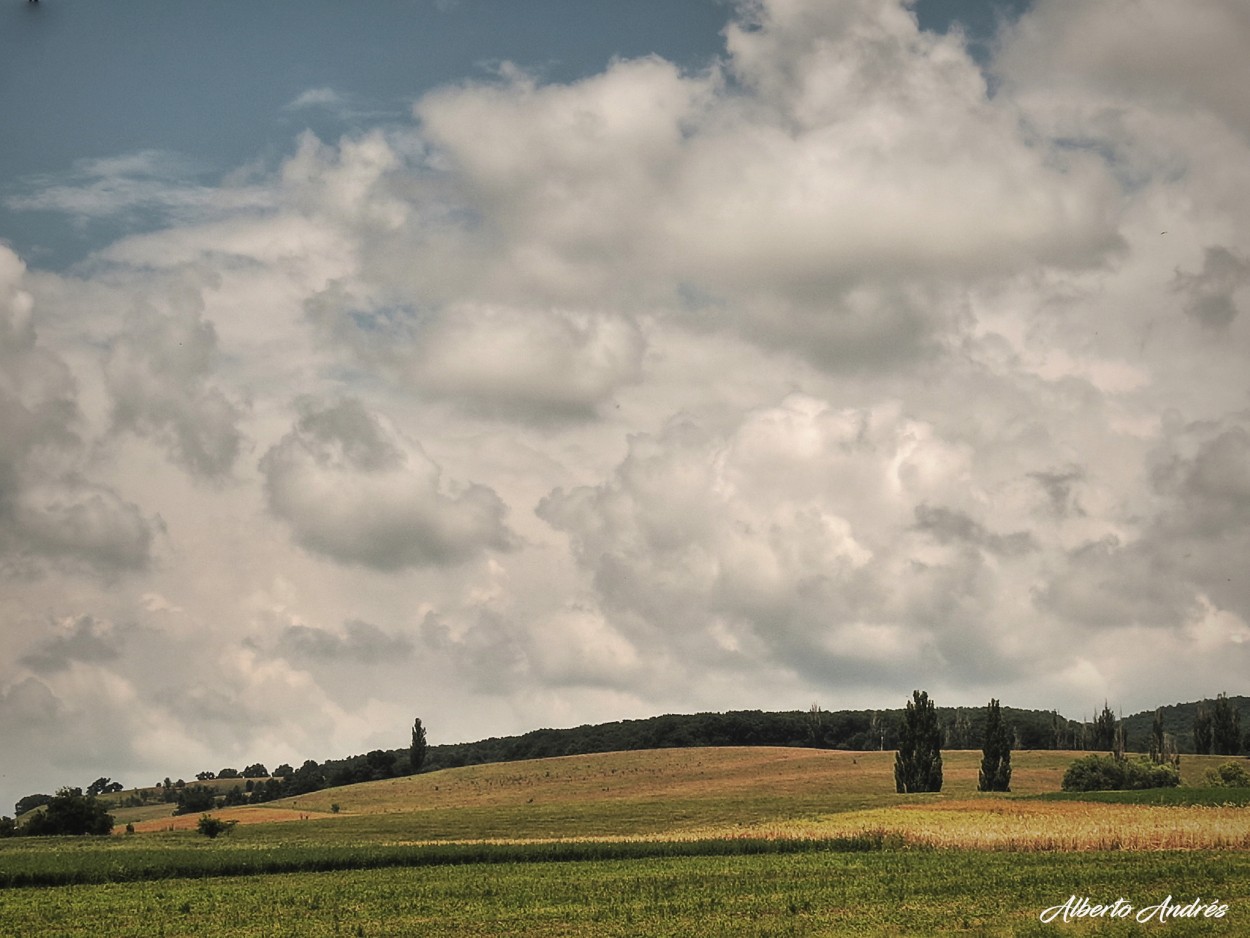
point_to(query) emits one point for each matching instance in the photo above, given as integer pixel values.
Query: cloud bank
(840, 366)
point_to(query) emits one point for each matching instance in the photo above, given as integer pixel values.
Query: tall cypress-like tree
(959, 733)
(1157, 737)
(1203, 730)
(1225, 727)
(995, 752)
(918, 764)
(416, 755)
(1104, 729)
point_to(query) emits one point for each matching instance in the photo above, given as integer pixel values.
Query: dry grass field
(1019, 825)
(697, 842)
(249, 814)
(688, 794)
(843, 779)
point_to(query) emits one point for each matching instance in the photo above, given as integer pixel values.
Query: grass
(691, 842)
(1027, 825)
(877, 893)
(616, 794)
(1226, 797)
(52, 864)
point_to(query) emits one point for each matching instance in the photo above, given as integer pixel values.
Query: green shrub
(1229, 775)
(210, 826)
(1106, 773)
(196, 798)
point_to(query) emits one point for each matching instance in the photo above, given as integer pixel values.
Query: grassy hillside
(678, 841)
(861, 731)
(732, 791)
(617, 793)
(1178, 719)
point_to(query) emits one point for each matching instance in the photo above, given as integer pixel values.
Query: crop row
(57, 867)
(876, 892)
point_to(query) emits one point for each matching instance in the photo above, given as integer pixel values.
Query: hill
(1178, 719)
(757, 840)
(855, 730)
(847, 730)
(730, 792)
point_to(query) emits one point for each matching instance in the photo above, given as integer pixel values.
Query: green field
(669, 842)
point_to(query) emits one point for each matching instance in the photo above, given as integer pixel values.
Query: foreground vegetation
(694, 842)
(871, 893)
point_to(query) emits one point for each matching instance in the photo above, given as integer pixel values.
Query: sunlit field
(687, 841)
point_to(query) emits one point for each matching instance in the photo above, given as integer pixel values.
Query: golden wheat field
(1013, 824)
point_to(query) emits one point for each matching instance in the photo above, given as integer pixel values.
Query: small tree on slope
(416, 754)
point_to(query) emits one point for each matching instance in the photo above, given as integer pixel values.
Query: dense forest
(819, 729)
(963, 728)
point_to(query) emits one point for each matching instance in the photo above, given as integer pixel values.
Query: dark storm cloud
(1217, 482)
(1205, 469)
(488, 652)
(360, 641)
(86, 639)
(353, 490)
(948, 525)
(1106, 585)
(75, 522)
(1203, 473)
(1059, 488)
(1209, 294)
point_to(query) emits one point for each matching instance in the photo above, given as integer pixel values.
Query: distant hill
(862, 730)
(855, 730)
(1178, 719)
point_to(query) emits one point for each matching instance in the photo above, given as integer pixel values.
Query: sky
(526, 365)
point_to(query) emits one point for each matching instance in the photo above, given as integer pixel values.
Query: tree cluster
(103, 786)
(194, 799)
(1217, 728)
(1229, 775)
(29, 803)
(1107, 773)
(69, 811)
(1105, 729)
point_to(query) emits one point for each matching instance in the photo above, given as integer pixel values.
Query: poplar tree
(1104, 729)
(1157, 742)
(1203, 729)
(416, 755)
(1225, 728)
(995, 752)
(918, 763)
